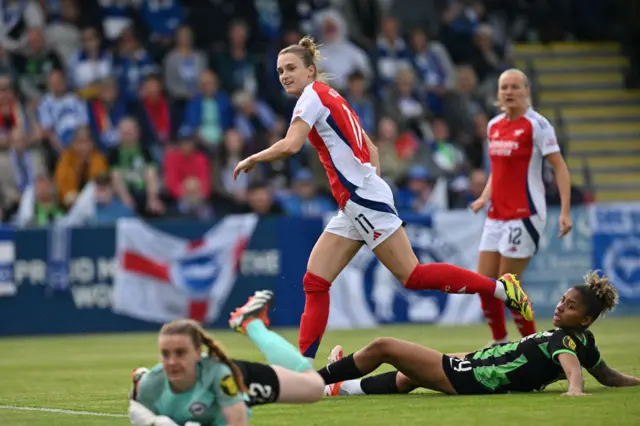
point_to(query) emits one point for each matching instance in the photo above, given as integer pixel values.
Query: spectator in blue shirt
(89, 64)
(108, 207)
(162, 19)
(105, 113)
(60, 113)
(305, 201)
(416, 196)
(360, 102)
(392, 52)
(210, 111)
(132, 64)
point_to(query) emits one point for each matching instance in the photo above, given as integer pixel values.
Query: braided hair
(199, 337)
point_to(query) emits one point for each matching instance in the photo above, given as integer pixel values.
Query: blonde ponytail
(309, 52)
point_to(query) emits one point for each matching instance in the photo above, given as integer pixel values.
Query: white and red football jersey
(338, 137)
(516, 150)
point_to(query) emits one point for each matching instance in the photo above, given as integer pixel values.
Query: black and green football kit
(526, 365)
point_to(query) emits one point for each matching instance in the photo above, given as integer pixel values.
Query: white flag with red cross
(160, 277)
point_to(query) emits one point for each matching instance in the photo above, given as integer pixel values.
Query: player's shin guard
(316, 314)
(525, 327)
(494, 313)
(380, 384)
(449, 279)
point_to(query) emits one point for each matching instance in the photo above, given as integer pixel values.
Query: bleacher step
(593, 114)
(589, 96)
(590, 147)
(610, 162)
(611, 179)
(576, 65)
(604, 127)
(618, 195)
(566, 49)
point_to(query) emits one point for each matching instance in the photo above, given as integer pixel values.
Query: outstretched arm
(291, 144)
(573, 370)
(236, 414)
(607, 376)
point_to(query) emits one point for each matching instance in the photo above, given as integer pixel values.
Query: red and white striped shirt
(337, 135)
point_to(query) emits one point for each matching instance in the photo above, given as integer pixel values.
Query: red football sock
(494, 313)
(525, 327)
(449, 279)
(316, 314)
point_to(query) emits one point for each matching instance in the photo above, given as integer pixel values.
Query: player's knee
(402, 276)
(407, 275)
(381, 347)
(405, 384)
(315, 386)
(315, 284)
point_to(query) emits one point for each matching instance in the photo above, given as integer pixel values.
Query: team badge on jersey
(568, 342)
(197, 409)
(229, 385)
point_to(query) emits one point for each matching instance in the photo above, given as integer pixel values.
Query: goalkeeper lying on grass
(188, 388)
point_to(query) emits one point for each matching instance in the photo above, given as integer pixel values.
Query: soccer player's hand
(163, 421)
(139, 415)
(478, 204)
(244, 166)
(565, 225)
(575, 393)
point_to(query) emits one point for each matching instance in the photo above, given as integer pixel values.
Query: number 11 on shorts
(364, 223)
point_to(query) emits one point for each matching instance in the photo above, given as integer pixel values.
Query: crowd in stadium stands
(113, 108)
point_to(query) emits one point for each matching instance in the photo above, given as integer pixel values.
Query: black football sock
(344, 369)
(380, 384)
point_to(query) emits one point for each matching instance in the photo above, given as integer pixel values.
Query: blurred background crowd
(153, 102)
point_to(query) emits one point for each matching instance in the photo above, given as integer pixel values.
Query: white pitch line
(60, 411)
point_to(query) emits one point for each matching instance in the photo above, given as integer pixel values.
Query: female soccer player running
(527, 365)
(367, 213)
(520, 139)
(212, 389)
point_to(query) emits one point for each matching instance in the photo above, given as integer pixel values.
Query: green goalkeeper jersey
(215, 389)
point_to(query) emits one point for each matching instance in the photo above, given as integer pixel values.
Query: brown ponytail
(199, 337)
(215, 351)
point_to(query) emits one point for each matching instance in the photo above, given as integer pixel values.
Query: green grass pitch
(92, 374)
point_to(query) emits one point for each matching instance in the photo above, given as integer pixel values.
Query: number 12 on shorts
(515, 236)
